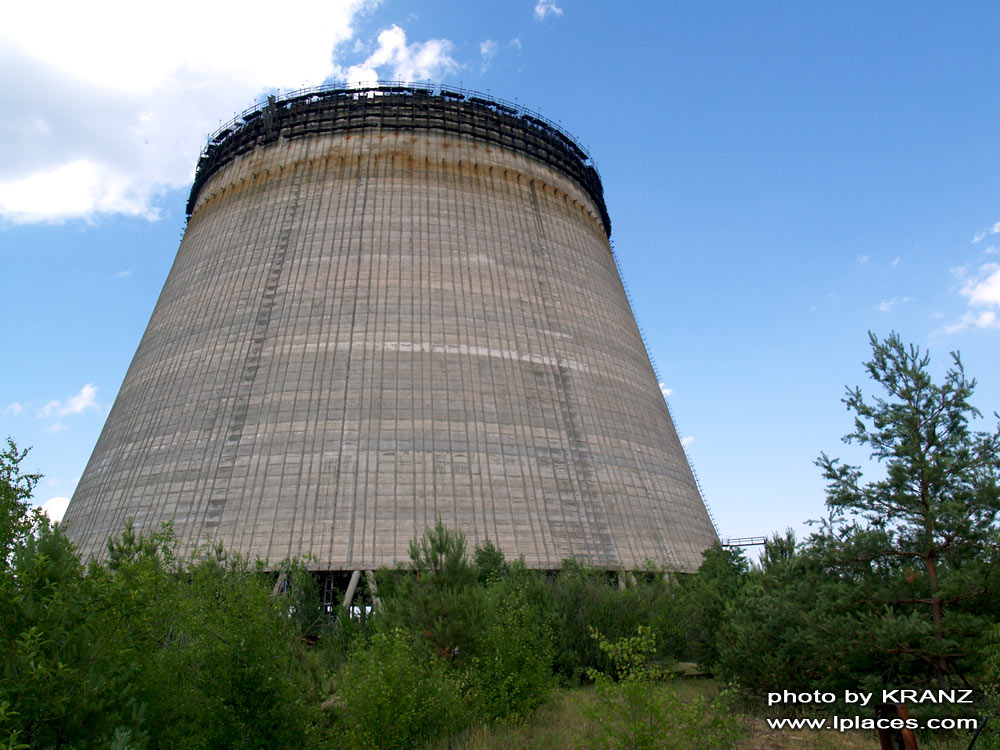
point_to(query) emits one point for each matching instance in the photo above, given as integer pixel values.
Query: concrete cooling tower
(393, 306)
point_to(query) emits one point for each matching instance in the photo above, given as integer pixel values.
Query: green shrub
(390, 695)
(510, 673)
(634, 709)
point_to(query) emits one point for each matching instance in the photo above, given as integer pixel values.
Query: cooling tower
(390, 307)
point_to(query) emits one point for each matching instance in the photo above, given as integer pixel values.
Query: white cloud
(888, 305)
(107, 103)
(56, 427)
(984, 288)
(983, 319)
(396, 60)
(76, 189)
(687, 441)
(980, 236)
(487, 51)
(982, 292)
(14, 408)
(895, 261)
(991, 250)
(55, 508)
(516, 43)
(124, 273)
(85, 399)
(544, 8)
(863, 260)
(665, 391)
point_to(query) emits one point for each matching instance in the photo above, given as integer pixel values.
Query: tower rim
(394, 105)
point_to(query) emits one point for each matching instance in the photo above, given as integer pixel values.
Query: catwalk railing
(389, 104)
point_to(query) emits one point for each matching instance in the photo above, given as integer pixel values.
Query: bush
(390, 695)
(510, 673)
(633, 709)
(438, 599)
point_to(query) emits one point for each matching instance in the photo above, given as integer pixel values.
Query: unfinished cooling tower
(393, 306)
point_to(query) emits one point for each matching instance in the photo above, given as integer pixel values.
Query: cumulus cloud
(107, 103)
(85, 399)
(665, 391)
(981, 290)
(487, 51)
(545, 8)
(396, 60)
(55, 508)
(686, 441)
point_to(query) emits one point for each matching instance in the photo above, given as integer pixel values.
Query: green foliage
(63, 675)
(633, 711)
(485, 622)
(221, 662)
(921, 542)
(300, 599)
(579, 599)
(701, 602)
(510, 672)
(438, 598)
(781, 630)
(390, 695)
(17, 520)
(490, 562)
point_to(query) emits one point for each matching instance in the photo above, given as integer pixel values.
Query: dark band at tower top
(390, 307)
(412, 107)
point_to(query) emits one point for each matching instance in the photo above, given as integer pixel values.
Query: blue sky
(781, 178)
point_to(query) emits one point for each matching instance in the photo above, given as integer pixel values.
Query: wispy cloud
(123, 274)
(863, 260)
(395, 59)
(896, 260)
(980, 236)
(14, 408)
(85, 399)
(546, 8)
(888, 305)
(487, 51)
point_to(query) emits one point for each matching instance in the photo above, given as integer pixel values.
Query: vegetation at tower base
(150, 649)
